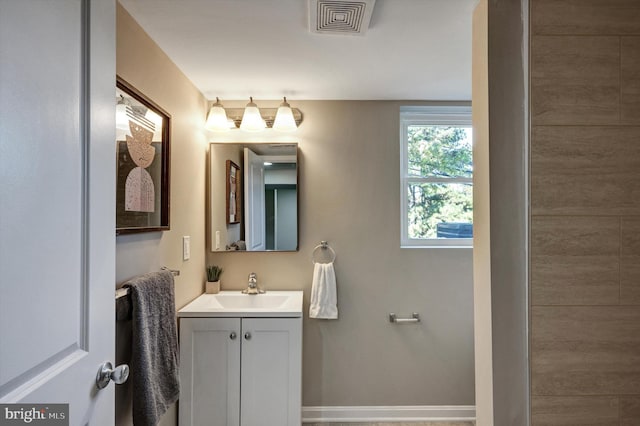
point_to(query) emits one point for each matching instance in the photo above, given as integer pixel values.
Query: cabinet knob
(233, 335)
(247, 335)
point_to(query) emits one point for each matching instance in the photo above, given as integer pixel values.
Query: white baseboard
(450, 413)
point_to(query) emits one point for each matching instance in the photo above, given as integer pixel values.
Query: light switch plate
(186, 248)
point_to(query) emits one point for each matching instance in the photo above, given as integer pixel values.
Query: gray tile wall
(585, 206)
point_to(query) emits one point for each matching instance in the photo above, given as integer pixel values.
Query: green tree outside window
(443, 156)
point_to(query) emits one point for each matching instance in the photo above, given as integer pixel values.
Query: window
(436, 176)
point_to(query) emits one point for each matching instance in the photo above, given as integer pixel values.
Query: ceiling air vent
(340, 17)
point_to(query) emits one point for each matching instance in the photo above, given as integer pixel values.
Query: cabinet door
(271, 371)
(210, 371)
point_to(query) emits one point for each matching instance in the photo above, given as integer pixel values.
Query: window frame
(459, 116)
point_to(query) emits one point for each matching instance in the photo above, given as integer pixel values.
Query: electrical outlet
(186, 248)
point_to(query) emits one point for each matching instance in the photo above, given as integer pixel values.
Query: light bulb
(284, 121)
(217, 120)
(251, 119)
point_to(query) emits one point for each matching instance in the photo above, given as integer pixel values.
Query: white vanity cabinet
(240, 371)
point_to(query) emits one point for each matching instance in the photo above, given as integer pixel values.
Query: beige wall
(349, 195)
(508, 154)
(585, 174)
(143, 64)
(500, 212)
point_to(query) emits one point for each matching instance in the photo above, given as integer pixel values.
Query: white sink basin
(236, 304)
(241, 301)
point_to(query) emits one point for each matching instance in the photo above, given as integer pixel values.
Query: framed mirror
(253, 196)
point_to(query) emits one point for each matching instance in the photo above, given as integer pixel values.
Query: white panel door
(254, 202)
(271, 371)
(210, 371)
(57, 203)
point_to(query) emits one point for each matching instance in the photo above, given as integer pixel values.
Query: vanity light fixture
(217, 118)
(251, 119)
(284, 120)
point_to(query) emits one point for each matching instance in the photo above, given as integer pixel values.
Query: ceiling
(233, 49)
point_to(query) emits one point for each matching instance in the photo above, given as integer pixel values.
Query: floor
(395, 424)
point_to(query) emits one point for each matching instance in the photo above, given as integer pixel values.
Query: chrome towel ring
(322, 248)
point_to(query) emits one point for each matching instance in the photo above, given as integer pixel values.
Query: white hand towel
(324, 297)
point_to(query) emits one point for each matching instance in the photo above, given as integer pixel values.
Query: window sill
(431, 243)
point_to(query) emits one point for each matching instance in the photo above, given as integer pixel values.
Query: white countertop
(272, 304)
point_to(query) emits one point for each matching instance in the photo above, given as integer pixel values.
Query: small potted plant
(213, 279)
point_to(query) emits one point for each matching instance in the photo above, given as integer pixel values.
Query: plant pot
(212, 287)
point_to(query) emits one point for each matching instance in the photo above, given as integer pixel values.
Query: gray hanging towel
(154, 349)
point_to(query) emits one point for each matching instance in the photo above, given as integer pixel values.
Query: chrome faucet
(252, 288)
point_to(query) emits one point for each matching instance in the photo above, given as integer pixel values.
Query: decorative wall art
(142, 146)
(233, 193)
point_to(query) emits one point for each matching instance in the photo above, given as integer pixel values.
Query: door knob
(232, 336)
(247, 335)
(107, 373)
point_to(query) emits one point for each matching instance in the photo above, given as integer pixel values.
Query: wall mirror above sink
(253, 196)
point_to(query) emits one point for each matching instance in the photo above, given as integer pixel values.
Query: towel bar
(415, 317)
(121, 292)
(174, 272)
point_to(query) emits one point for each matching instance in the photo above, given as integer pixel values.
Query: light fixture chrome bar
(268, 115)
